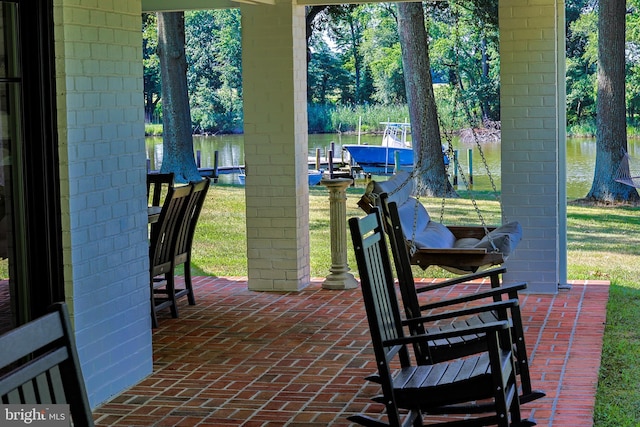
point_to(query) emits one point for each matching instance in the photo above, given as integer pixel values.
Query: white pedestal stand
(339, 278)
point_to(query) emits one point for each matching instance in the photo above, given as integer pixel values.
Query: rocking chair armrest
(511, 290)
(366, 203)
(462, 279)
(471, 330)
(501, 305)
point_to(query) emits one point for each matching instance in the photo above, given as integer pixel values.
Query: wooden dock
(337, 167)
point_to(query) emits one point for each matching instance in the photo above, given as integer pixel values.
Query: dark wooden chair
(411, 391)
(185, 233)
(162, 251)
(457, 346)
(39, 365)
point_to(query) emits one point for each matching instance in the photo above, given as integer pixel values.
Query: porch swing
(459, 249)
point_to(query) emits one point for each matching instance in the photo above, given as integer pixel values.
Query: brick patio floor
(242, 358)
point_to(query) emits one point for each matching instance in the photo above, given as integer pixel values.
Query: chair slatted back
(157, 185)
(401, 258)
(377, 283)
(40, 366)
(187, 227)
(163, 236)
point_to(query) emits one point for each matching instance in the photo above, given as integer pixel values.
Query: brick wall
(533, 138)
(102, 155)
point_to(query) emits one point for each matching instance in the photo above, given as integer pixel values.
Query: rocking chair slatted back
(51, 373)
(372, 248)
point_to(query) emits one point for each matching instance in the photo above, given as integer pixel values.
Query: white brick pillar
(275, 144)
(532, 57)
(98, 47)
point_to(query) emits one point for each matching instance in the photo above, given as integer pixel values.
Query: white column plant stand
(339, 278)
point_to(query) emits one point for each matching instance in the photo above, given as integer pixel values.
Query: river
(581, 154)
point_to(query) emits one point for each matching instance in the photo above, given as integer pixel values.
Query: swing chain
(486, 167)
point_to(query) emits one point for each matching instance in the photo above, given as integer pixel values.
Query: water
(581, 156)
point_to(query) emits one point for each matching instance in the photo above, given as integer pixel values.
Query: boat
(315, 176)
(395, 152)
(381, 159)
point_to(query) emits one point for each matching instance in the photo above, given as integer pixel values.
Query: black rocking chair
(458, 346)
(411, 391)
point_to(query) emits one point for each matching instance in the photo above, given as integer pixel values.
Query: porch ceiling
(177, 5)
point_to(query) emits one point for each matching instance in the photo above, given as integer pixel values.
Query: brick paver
(243, 358)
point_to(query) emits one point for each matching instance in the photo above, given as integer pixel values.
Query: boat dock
(338, 167)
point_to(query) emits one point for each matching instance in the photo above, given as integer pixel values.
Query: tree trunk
(611, 127)
(431, 179)
(177, 156)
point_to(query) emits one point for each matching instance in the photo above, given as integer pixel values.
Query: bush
(152, 129)
(584, 128)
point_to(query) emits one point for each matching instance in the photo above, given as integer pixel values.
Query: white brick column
(275, 145)
(98, 49)
(532, 57)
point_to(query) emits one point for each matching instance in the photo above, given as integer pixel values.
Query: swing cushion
(505, 238)
(424, 233)
(399, 188)
(428, 234)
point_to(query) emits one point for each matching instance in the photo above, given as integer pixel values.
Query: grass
(603, 243)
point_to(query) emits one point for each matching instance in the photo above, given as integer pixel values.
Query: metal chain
(450, 147)
(418, 168)
(494, 188)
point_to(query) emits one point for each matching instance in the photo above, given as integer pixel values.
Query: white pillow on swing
(398, 188)
(504, 238)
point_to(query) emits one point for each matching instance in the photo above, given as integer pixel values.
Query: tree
(326, 76)
(633, 60)
(214, 77)
(383, 55)
(151, 66)
(177, 143)
(475, 26)
(425, 130)
(313, 17)
(582, 59)
(343, 25)
(611, 127)
(345, 28)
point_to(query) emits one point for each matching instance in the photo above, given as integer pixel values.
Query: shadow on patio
(298, 359)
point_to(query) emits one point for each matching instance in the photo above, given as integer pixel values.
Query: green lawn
(603, 243)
